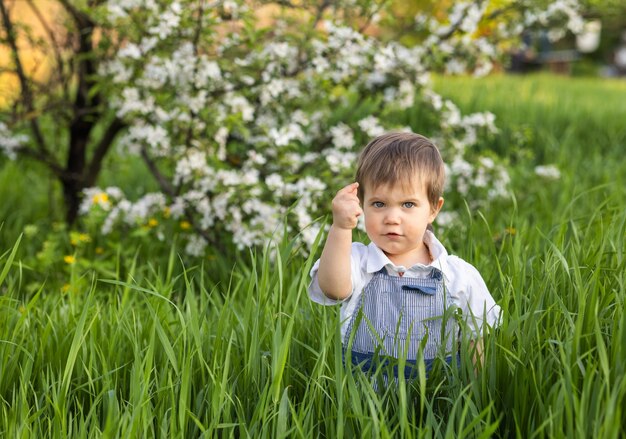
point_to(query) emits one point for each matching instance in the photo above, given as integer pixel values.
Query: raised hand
(346, 207)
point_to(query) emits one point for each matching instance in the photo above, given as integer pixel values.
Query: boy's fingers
(350, 189)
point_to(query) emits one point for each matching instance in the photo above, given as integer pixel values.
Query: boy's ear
(435, 210)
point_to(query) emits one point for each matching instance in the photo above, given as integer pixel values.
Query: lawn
(145, 345)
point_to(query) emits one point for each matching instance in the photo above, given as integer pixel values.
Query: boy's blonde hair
(395, 157)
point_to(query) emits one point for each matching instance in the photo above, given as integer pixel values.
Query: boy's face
(396, 217)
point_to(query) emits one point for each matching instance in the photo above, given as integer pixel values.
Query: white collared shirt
(463, 282)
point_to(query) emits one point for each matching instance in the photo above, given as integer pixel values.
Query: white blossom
(455, 67)
(177, 208)
(155, 137)
(221, 136)
(280, 51)
(277, 87)
(285, 135)
(300, 117)
(240, 104)
(220, 203)
(548, 172)
(499, 185)
(193, 164)
(130, 50)
(487, 162)
(256, 158)
(140, 211)
(447, 218)
(338, 160)
(342, 136)
(309, 233)
(452, 114)
(168, 21)
(133, 103)
(155, 74)
(94, 196)
(205, 210)
(120, 72)
(485, 119)
(275, 183)
(371, 126)
(10, 142)
(148, 43)
(406, 94)
(461, 167)
(196, 246)
(208, 71)
(483, 68)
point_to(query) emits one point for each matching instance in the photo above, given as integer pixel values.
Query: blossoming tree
(249, 115)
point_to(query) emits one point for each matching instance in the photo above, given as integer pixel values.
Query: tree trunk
(72, 198)
(87, 108)
(74, 179)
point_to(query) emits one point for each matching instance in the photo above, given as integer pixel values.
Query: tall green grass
(160, 349)
(254, 357)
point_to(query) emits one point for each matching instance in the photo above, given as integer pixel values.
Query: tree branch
(284, 3)
(79, 17)
(455, 26)
(164, 184)
(85, 108)
(370, 17)
(46, 159)
(196, 39)
(497, 12)
(25, 90)
(95, 165)
(86, 66)
(320, 12)
(55, 45)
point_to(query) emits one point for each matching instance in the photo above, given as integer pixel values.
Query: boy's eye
(378, 204)
(408, 204)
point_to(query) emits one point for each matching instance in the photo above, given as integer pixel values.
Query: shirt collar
(376, 259)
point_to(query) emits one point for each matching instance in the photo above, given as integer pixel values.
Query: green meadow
(146, 343)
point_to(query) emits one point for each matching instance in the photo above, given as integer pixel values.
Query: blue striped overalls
(395, 310)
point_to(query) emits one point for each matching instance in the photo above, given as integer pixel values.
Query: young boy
(394, 292)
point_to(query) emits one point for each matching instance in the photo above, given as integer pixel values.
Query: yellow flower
(99, 250)
(167, 212)
(185, 225)
(100, 198)
(65, 288)
(22, 309)
(77, 238)
(153, 222)
(69, 259)
(511, 230)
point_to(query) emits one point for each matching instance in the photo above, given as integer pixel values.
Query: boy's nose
(392, 217)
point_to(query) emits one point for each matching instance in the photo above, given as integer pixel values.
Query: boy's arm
(476, 347)
(334, 274)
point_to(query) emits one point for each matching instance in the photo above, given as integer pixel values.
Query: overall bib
(397, 314)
